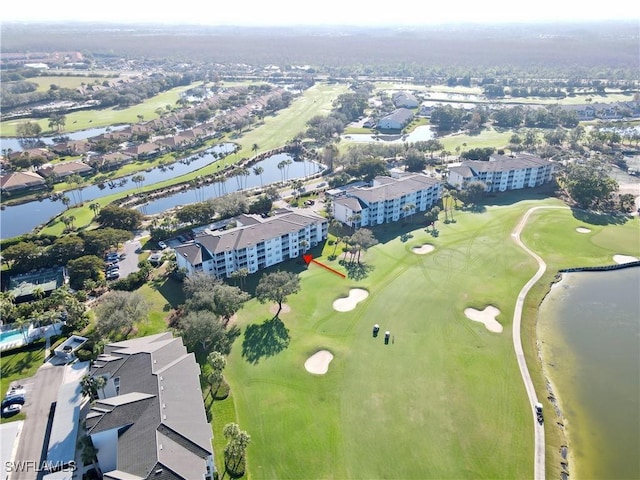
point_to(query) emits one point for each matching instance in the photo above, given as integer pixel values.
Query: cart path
(539, 450)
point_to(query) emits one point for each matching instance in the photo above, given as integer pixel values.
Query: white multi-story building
(503, 173)
(386, 200)
(256, 243)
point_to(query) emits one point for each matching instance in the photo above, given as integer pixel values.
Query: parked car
(113, 275)
(16, 390)
(538, 409)
(162, 245)
(11, 399)
(12, 409)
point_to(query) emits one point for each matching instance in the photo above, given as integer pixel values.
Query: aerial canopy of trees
(118, 312)
(588, 183)
(119, 217)
(205, 292)
(98, 241)
(87, 267)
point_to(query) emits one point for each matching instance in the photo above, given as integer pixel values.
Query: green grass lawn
(446, 399)
(85, 119)
(17, 365)
(73, 81)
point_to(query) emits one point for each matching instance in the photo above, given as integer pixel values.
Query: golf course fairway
(444, 398)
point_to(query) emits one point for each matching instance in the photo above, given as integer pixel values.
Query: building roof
(159, 412)
(388, 188)
(250, 234)
(351, 203)
(502, 163)
(401, 115)
(17, 180)
(65, 168)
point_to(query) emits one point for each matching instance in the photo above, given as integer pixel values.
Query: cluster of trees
(42, 251)
(544, 117)
(117, 314)
(450, 119)
(61, 304)
(588, 183)
(203, 320)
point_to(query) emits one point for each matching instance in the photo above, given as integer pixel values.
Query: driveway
(41, 393)
(129, 263)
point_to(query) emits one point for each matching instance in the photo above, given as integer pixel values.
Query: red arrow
(308, 258)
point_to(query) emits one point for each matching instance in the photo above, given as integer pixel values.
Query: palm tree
(354, 219)
(138, 180)
(258, 171)
(254, 147)
(95, 207)
(88, 387)
(287, 163)
(304, 245)
(445, 205)
(66, 201)
(281, 166)
(88, 453)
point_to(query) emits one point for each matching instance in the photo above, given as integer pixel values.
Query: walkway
(539, 452)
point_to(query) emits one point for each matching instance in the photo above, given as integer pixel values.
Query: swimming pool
(11, 339)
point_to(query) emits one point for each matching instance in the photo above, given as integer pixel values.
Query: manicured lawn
(75, 81)
(486, 138)
(19, 364)
(85, 119)
(445, 399)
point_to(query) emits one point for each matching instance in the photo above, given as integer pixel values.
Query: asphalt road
(539, 449)
(41, 393)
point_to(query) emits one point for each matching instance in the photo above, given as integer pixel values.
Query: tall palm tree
(259, 171)
(254, 147)
(66, 201)
(95, 207)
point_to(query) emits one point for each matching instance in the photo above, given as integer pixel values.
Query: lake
(19, 219)
(589, 328)
(14, 143)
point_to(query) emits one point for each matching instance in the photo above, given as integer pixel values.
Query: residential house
(404, 100)
(397, 120)
(144, 150)
(65, 169)
(388, 199)
(503, 173)
(256, 243)
(19, 181)
(149, 421)
(109, 161)
(72, 147)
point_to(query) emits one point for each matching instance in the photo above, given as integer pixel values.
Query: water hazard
(589, 326)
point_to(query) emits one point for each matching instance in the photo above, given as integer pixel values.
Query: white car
(162, 245)
(16, 390)
(11, 409)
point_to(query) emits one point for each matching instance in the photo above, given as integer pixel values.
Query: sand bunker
(423, 249)
(624, 259)
(318, 363)
(356, 295)
(583, 230)
(486, 316)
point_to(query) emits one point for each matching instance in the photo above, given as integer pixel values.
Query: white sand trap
(318, 363)
(356, 295)
(583, 230)
(423, 249)
(624, 259)
(486, 316)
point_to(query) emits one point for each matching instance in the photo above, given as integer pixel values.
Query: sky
(318, 12)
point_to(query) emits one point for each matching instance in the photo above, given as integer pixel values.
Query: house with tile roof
(17, 181)
(149, 421)
(503, 172)
(65, 169)
(255, 243)
(387, 199)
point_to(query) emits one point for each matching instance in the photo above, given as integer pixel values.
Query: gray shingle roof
(159, 412)
(387, 188)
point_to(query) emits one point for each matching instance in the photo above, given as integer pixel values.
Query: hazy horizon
(254, 13)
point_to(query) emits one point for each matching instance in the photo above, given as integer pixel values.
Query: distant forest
(606, 50)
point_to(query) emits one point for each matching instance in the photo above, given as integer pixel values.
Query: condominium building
(387, 199)
(503, 173)
(255, 243)
(149, 421)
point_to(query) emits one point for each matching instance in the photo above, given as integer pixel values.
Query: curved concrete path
(539, 452)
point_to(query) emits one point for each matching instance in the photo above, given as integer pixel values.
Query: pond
(271, 174)
(14, 143)
(19, 219)
(589, 327)
(420, 134)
